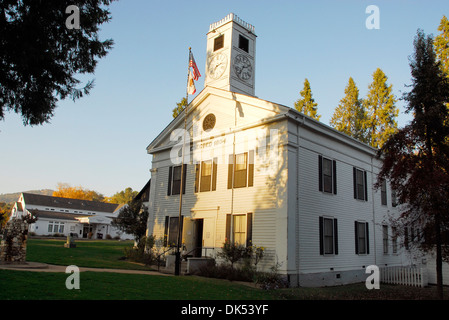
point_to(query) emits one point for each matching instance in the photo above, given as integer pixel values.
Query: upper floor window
(383, 193)
(243, 43)
(219, 42)
(327, 176)
(241, 170)
(206, 176)
(174, 180)
(360, 184)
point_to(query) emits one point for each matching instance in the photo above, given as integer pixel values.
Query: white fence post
(409, 276)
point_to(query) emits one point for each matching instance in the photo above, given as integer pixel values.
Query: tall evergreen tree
(441, 44)
(416, 158)
(40, 56)
(382, 112)
(349, 117)
(307, 104)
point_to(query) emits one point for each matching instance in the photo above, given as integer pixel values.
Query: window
(242, 173)
(239, 228)
(385, 238)
(243, 43)
(361, 238)
(360, 185)
(174, 180)
(171, 231)
(219, 42)
(327, 175)
(394, 199)
(328, 236)
(394, 239)
(383, 193)
(206, 176)
(55, 227)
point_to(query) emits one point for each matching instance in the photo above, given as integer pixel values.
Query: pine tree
(307, 104)
(441, 45)
(416, 157)
(350, 117)
(381, 110)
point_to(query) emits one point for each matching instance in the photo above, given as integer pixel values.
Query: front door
(86, 230)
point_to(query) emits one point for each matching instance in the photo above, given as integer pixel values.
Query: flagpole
(178, 254)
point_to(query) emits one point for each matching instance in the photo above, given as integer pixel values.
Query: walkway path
(43, 267)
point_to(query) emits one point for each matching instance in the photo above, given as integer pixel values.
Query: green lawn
(23, 285)
(96, 254)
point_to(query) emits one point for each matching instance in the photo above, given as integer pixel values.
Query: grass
(95, 254)
(23, 285)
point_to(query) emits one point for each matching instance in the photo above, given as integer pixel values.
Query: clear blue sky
(99, 142)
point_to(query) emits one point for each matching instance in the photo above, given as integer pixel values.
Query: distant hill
(13, 197)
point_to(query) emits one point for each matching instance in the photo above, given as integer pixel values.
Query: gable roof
(239, 98)
(49, 201)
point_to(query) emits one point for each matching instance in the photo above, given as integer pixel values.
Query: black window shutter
(321, 236)
(249, 229)
(169, 180)
(184, 179)
(334, 172)
(197, 177)
(366, 186)
(228, 227)
(251, 168)
(230, 170)
(336, 236)
(320, 173)
(214, 174)
(356, 233)
(166, 231)
(367, 238)
(354, 170)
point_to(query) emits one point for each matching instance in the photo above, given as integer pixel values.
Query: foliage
(43, 55)
(142, 252)
(350, 117)
(441, 45)
(307, 104)
(64, 190)
(132, 219)
(180, 106)
(122, 197)
(416, 158)
(5, 211)
(381, 110)
(232, 252)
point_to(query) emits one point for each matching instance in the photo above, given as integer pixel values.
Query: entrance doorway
(86, 230)
(198, 237)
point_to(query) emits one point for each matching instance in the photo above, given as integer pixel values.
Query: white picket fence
(405, 275)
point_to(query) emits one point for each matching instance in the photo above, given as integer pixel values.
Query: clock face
(242, 67)
(217, 65)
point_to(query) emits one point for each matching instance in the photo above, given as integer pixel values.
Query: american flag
(192, 63)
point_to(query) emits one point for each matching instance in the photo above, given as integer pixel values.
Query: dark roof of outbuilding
(55, 215)
(49, 201)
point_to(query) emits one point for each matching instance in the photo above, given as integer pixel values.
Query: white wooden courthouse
(260, 173)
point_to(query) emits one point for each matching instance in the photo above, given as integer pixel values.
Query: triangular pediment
(225, 112)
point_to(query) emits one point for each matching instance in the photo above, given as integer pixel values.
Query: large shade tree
(416, 157)
(40, 56)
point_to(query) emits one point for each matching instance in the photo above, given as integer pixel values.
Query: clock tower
(230, 61)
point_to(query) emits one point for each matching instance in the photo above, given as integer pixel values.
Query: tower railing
(235, 18)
